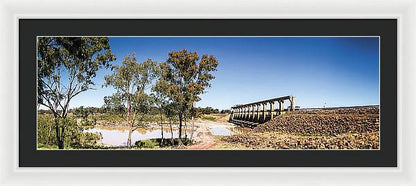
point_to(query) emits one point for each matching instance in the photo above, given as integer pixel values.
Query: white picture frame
(404, 11)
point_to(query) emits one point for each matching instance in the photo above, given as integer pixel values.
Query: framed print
(255, 89)
(307, 92)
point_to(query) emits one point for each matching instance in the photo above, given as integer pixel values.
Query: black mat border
(30, 28)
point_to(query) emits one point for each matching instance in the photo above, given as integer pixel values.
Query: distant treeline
(85, 111)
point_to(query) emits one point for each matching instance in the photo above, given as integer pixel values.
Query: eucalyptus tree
(114, 105)
(131, 80)
(194, 113)
(170, 110)
(82, 113)
(160, 95)
(160, 102)
(66, 68)
(187, 75)
(163, 94)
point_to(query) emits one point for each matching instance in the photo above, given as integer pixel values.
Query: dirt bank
(205, 138)
(338, 128)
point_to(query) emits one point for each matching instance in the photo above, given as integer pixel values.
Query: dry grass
(341, 128)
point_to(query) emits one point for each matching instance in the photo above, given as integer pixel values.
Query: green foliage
(210, 118)
(180, 82)
(83, 113)
(75, 59)
(42, 146)
(184, 77)
(146, 144)
(226, 111)
(46, 129)
(130, 80)
(208, 110)
(114, 104)
(187, 75)
(81, 139)
(157, 143)
(75, 136)
(110, 118)
(42, 111)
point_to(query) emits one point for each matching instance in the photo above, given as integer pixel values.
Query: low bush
(154, 143)
(146, 144)
(210, 118)
(75, 137)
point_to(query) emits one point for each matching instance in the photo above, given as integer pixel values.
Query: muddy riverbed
(117, 136)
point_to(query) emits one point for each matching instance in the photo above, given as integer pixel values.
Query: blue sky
(330, 71)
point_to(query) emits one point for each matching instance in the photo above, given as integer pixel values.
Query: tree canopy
(66, 67)
(131, 80)
(185, 77)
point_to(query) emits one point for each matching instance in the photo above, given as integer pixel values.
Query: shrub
(153, 143)
(210, 118)
(146, 144)
(75, 137)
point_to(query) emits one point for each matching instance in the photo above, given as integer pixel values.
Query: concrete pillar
(234, 113)
(243, 111)
(271, 110)
(293, 103)
(264, 111)
(252, 112)
(281, 106)
(247, 113)
(256, 113)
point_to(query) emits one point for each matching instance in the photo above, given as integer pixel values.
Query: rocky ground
(336, 128)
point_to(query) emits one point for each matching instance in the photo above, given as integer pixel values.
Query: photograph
(212, 93)
(222, 93)
(218, 93)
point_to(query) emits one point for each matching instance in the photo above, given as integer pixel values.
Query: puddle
(118, 136)
(221, 131)
(114, 137)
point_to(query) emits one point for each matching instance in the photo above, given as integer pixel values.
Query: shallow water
(118, 137)
(221, 131)
(114, 137)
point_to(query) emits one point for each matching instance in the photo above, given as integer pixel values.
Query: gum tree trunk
(171, 131)
(180, 126)
(161, 126)
(193, 128)
(58, 135)
(128, 122)
(129, 138)
(185, 127)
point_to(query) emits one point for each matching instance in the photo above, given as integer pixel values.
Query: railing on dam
(252, 114)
